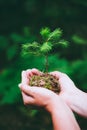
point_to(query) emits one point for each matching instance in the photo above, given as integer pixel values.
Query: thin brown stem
(46, 63)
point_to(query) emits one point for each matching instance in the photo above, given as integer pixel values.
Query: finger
(57, 74)
(36, 71)
(29, 73)
(25, 80)
(27, 99)
(26, 89)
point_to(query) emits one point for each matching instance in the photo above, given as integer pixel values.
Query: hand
(49, 100)
(67, 86)
(35, 95)
(73, 97)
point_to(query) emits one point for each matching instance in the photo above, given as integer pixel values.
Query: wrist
(52, 104)
(55, 104)
(76, 100)
(60, 112)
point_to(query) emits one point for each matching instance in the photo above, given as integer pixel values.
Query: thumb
(57, 74)
(26, 89)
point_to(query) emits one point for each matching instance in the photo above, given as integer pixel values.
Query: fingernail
(19, 85)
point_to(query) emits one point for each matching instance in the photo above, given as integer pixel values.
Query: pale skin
(71, 95)
(62, 116)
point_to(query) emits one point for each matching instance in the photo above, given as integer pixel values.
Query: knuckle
(23, 71)
(56, 72)
(63, 74)
(34, 69)
(28, 70)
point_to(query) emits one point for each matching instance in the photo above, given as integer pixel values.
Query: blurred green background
(20, 22)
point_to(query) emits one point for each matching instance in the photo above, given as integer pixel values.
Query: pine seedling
(50, 39)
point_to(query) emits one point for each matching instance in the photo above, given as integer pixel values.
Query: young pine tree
(50, 40)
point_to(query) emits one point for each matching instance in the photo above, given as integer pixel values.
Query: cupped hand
(73, 97)
(67, 86)
(37, 96)
(26, 75)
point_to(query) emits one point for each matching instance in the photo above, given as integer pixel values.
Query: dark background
(20, 22)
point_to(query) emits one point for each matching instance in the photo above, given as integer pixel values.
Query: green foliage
(11, 52)
(17, 26)
(45, 32)
(31, 48)
(46, 47)
(55, 35)
(79, 40)
(3, 42)
(8, 89)
(50, 40)
(79, 69)
(10, 67)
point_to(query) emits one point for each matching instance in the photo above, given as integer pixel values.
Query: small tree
(50, 40)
